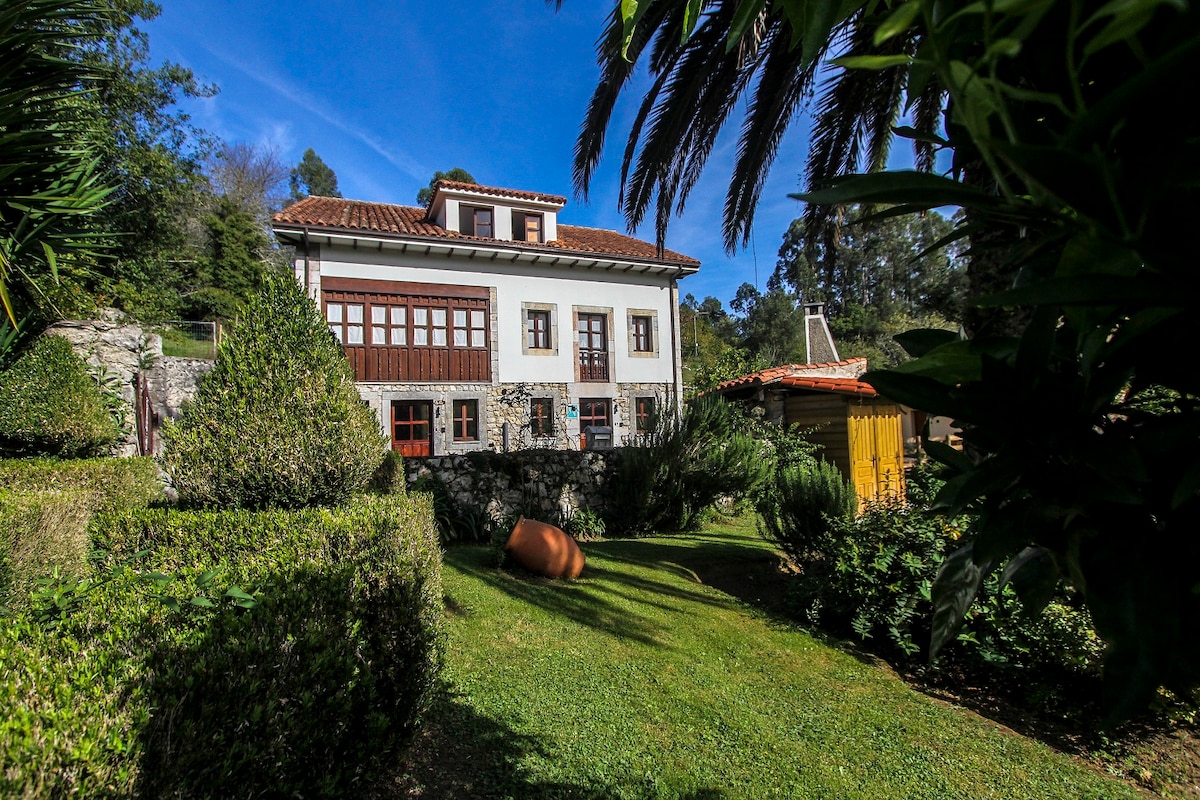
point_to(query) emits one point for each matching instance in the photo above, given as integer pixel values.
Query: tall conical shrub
(278, 422)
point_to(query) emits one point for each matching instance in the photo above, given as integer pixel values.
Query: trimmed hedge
(308, 692)
(45, 507)
(51, 406)
(278, 422)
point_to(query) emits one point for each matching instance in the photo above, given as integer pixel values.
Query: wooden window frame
(589, 419)
(472, 213)
(645, 414)
(642, 328)
(541, 417)
(464, 420)
(537, 336)
(590, 367)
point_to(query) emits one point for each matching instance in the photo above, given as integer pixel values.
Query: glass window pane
(333, 312)
(439, 337)
(354, 313)
(439, 318)
(420, 336)
(398, 335)
(337, 331)
(478, 339)
(398, 315)
(460, 318)
(420, 316)
(460, 337)
(476, 319)
(354, 334)
(378, 334)
(379, 314)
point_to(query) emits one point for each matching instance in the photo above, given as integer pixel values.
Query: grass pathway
(639, 681)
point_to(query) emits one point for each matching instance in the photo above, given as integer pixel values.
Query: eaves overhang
(494, 251)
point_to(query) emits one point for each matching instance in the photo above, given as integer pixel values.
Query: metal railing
(190, 338)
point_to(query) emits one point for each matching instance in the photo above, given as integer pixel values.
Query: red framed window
(541, 417)
(593, 347)
(594, 411)
(466, 420)
(537, 328)
(643, 414)
(642, 336)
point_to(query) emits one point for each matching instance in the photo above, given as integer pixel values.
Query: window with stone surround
(539, 334)
(642, 325)
(643, 415)
(541, 417)
(466, 420)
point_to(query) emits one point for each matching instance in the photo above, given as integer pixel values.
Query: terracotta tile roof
(773, 375)
(359, 215)
(851, 386)
(495, 191)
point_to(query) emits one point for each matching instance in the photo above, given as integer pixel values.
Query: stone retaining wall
(119, 351)
(549, 485)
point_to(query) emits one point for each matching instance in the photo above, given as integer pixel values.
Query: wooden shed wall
(828, 411)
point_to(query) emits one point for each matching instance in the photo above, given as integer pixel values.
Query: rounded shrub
(278, 422)
(51, 406)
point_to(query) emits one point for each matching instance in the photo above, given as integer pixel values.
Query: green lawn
(639, 680)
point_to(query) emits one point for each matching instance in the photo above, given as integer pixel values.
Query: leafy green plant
(299, 664)
(800, 505)
(277, 422)
(585, 525)
(681, 467)
(50, 405)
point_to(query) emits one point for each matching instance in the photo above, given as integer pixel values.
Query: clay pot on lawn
(544, 549)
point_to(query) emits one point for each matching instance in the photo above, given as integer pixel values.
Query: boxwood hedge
(162, 677)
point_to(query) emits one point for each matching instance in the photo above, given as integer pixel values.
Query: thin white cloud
(290, 92)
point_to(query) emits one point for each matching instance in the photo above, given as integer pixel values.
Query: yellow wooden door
(876, 451)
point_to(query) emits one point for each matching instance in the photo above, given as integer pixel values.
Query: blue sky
(387, 93)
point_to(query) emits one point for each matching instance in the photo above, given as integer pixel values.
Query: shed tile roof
(851, 386)
(774, 375)
(384, 218)
(498, 192)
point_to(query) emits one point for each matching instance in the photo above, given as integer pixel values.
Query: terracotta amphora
(544, 549)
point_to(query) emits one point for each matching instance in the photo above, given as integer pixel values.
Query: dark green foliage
(234, 267)
(278, 422)
(163, 679)
(1082, 274)
(872, 576)
(50, 182)
(51, 405)
(457, 174)
(45, 507)
(585, 525)
(683, 466)
(389, 477)
(312, 176)
(802, 504)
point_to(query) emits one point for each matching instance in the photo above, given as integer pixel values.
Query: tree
(234, 265)
(705, 57)
(278, 422)
(1084, 152)
(457, 174)
(150, 151)
(50, 182)
(1069, 160)
(770, 326)
(312, 176)
(250, 177)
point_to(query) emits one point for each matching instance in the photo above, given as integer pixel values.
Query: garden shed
(860, 432)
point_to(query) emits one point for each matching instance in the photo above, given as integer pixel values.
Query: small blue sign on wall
(572, 411)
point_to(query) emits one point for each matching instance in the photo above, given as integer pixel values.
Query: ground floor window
(594, 411)
(541, 417)
(466, 420)
(643, 414)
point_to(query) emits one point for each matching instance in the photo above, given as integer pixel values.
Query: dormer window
(527, 227)
(476, 221)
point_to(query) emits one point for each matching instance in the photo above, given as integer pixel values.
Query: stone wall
(119, 351)
(549, 485)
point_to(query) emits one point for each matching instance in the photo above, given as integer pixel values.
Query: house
(482, 322)
(860, 432)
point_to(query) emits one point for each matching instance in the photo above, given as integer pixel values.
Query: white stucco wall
(566, 289)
